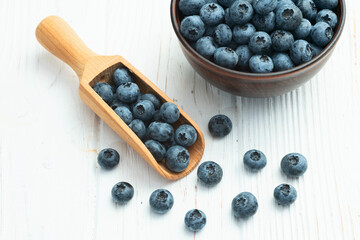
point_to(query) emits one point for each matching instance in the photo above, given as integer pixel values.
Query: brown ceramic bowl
(254, 84)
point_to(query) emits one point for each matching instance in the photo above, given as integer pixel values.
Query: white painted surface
(52, 188)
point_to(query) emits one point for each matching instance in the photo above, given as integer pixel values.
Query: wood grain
(52, 188)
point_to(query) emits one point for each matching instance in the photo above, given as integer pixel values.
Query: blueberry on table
(242, 34)
(195, 220)
(303, 30)
(177, 158)
(244, 205)
(301, 52)
(143, 110)
(321, 34)
(288, 17)
(281, 40)
(212, 14)
(261, 64)
(104, 90)
(285, 194)
(206, 47)
(241, 12)
(226, 3)
(226, 57)
(152, 98)
(124, 113)
(220, 125)
(260, 43)
(138, 127)
(264, 7)
(191, 7)
(161, 201)
(128, 92)
(192, 28)
(228, 19)
(160, 131)
(108, 158)
(326, 4)
(308, 9)
(327, 16)
(210, 173)
(222, 35)
(244, 54)
(117, 103)
(185, 135)
(121, 76)
(122, 192)
(169, 112)
(157, 149)
(282, 62)
(264, 23)
(254, 160)
(294, 165)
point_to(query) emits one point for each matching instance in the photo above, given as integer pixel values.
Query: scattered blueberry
(185, 135)
(264, 7)
(212, 14)
(225, 57)
(222, 34)
(143, 110)
(242, 34)
(261, 64)
(326, 4)
(192, 28)
(254, 160)
(161, 201)
(220, 125)
(124, 113)
(157, 149)
(244, 54)
(104, 90)
(244, 205)
(152, 98)
(190, 7)
(122, 192)
(294, 165)
(282, 62)
(195, 220)
(303, 30)
(206, 46)
(241, 12)
(308, 9)
(121, 76)
(321, 33)
(128, 92)
(288, 17)
(108, 158)
(210, 173)
(138, 127)
(281, 40)
(285, 194)
(160, 131)
(301, 52)
(177, 158)
(264, 23)
(169, 112)
(327, 16)
(260, 43)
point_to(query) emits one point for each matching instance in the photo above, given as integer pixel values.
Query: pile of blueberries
(260, 36)
(244, 205)
(149, 119)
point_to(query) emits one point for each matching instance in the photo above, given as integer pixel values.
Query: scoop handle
(54, 34)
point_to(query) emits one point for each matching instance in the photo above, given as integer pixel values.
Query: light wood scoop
(58, 37)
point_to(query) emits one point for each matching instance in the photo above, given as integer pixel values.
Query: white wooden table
(52, 188)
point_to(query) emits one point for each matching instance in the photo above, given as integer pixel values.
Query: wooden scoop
(58, 37)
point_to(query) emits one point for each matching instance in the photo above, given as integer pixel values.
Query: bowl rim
(274, 76)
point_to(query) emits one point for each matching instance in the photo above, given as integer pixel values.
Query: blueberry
(144, 110)
(285, 194)
(104, 90)
(206, 47)
(241, 12)
(294, 165)
(301, 52)
(122, 192)
(152, 98)
(254, 160)
(321, 33)
(138, 127)
(220, 125)
(282, 61)
(209, 31)
(161, 201)
(244, 205)
(156, 117)
(177, 158)
(260, 43)
(169, 143)
(226, 3)
(160, 131)
(326, 4)
(185, 135)
(157, 149)
(124, 113)
(195, 220)
(225, 57)
(264, 23)
(316, 49)
(281, 40)
(117, 103)
(284, 2)
(308, 9)
(190, 7)
(303, 30)
(121, 76)
(264, 7)
(261, 64)
(228, 19)
(169, 112)
(327, 16)
(242, 34)
(288, 17)
(244, 54)
(212, 14)
(210, 173)
(108, 158)
(211, 1)
(128, 92)
(222, 35)
(192, 28)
